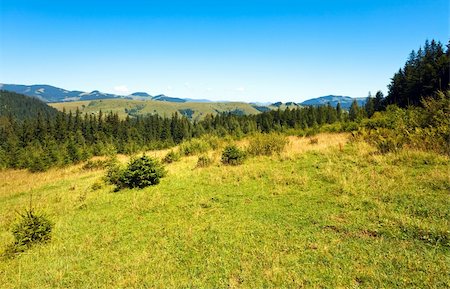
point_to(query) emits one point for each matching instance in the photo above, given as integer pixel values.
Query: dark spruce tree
(378, 101)
(424, 73)
(353, 112)
(369, 106)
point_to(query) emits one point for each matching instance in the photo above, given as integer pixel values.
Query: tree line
(425, 72)
(51, 139)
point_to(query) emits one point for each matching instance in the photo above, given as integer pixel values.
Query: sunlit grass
(331, 214)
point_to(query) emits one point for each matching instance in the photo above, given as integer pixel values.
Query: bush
(349, 126)
(95, 165)
(140, 173)
(267, 144)
(436, 133)
(204, 161)
(171, 157)
(114, 172)
(194, 146)
(31, 228)
(212, 140)
(384, 139)
(424, 128)
(232, 155)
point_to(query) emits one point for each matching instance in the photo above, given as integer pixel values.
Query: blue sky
(219, 50)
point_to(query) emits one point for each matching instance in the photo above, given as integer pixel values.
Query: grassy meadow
(329, 215)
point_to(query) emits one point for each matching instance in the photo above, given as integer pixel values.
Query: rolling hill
(23, 106)
(124, 107)
(192, 110)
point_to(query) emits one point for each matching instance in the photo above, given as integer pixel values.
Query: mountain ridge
(333, 100)
(52, 94)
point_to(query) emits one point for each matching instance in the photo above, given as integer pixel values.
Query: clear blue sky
(220, 50)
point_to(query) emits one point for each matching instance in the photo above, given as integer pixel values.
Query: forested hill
(22, 107)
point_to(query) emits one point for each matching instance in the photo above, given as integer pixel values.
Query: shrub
(350, 126)
(194, 146)
(267, 144)
(387, 141)
(384, 139)
(171, 157)
(436, 132)
(232, 155)
(140, 173)
(114, 173)
(212, 140)
(95, 165)
(332, 127)
(423, 128)
(204, 161)
(31, 228)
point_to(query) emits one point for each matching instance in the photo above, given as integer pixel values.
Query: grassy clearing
(331, 214)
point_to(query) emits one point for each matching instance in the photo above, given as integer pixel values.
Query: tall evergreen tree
(339, 111)
(425, 72)
(353, 112)
(370, 105)
(378, 101)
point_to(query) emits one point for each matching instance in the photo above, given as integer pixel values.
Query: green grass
(319, 218)
(163, 108)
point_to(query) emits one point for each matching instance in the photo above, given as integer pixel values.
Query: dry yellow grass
(14, 181)
(299, 145)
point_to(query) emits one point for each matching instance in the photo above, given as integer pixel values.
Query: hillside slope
(124, 107)
(22, 107)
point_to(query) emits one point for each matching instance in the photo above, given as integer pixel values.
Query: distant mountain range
(333, 100)
(48, 93)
